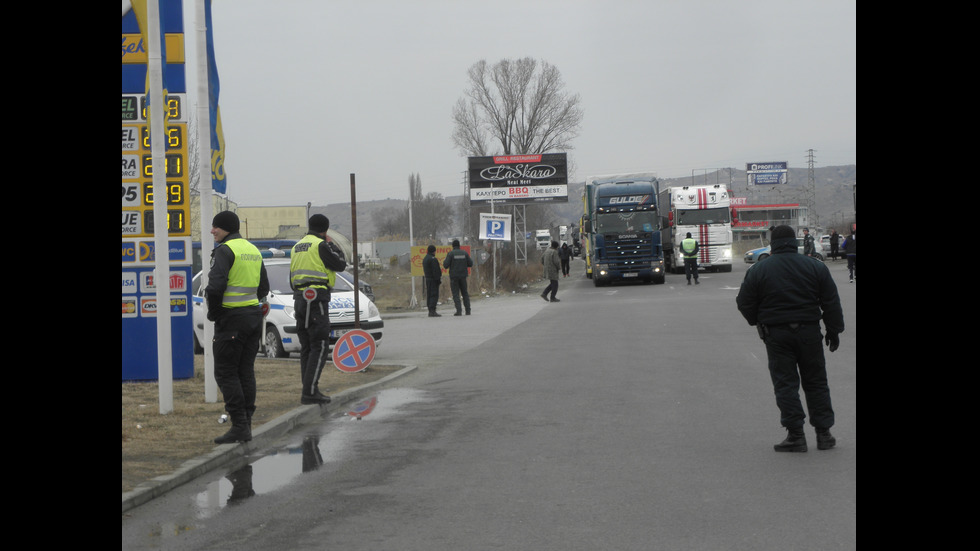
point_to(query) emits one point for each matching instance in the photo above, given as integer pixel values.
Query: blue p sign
(495, 229)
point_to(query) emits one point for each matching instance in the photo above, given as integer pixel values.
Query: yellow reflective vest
(687, 248)
(306, 268)
(244, 276)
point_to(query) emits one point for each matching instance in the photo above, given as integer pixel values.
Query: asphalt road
(631, 417)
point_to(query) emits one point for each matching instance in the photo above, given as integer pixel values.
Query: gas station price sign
(138, 195)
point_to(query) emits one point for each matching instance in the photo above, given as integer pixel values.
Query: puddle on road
(332, 440)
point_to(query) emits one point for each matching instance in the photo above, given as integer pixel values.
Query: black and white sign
(519, 179)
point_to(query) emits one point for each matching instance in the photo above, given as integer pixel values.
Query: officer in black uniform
(432, 275)
(785, 297)
(458, 262)
(314, 262)
(237, 282)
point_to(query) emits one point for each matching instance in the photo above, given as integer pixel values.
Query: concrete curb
(226, 454)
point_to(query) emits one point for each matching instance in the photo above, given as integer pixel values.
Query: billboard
(519, 179)
(765, 174)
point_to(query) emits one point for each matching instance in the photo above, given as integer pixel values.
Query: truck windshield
(617, 222)
(695, 217)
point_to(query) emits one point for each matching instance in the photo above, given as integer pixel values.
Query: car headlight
(726, 253)
(373, 311)
(290, 311)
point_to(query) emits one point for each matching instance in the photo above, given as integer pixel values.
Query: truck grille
(623, 252)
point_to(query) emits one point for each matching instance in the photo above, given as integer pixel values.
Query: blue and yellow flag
(218, 179)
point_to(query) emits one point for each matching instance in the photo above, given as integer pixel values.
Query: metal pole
(353, 230)
(204, 188)
(161, 271)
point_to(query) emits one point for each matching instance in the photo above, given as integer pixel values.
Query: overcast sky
(314, 90)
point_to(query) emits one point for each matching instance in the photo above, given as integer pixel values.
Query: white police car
(280, 328)
(762, 253)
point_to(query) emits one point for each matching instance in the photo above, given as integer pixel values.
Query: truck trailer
(542, 239)
(704, 211)
(621, 227)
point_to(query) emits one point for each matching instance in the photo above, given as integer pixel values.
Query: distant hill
(833, 197)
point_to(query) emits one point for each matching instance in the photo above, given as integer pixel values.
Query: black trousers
(236, 342)
(458, 286)
(314, 338)
(691, 267)
(551, 288)
(432, 293)
(796, 359)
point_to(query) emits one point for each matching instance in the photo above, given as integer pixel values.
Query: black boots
(434, 314)
(237, 433)
(825, 440)
(316, 398)
(795, 441)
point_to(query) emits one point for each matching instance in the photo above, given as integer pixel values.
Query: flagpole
(204, 184)
(161, 278)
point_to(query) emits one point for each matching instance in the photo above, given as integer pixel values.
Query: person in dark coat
(565, 255)
(458, 262)
(786, 297)
(834, 244)
(432, 274)
(552, 267)
(850, 250)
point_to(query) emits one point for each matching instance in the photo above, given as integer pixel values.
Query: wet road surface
(625, 417)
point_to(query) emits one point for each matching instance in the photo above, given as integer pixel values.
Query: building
(752, 222)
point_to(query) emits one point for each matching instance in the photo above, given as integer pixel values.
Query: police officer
(786, 297)
(458, 262)
(237, 281)
(432, 274)
(809, 247)
(690, 248)
(313, 264)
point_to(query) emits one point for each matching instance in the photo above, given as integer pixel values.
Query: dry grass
(155, 444)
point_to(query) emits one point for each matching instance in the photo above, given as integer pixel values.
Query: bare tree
(432, 215)
(513, 108)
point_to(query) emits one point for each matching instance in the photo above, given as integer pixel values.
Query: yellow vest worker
(237, 281)
(689, 248)
(313, 264)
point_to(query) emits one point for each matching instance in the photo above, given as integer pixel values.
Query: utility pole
(809, 192)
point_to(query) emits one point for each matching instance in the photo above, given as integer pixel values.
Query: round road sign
(354, 351)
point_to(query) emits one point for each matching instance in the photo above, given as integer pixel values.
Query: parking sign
(495, 226)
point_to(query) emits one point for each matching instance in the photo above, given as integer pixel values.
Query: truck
(621, 228)
(542, 239)
(706, 212)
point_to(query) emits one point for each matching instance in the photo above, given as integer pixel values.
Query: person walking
(690, 248)
(237, 282)
(565, 255)
(786, 297)
(432, 276)
(809, 248)
(459, 263)
(834, 244)
(850, 250)
(313, 265)
(552, 267)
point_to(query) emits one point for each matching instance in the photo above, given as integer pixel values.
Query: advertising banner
(765, 174)
(519, 179)
(418, 253)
